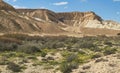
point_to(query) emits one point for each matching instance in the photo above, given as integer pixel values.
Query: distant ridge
(45, 22)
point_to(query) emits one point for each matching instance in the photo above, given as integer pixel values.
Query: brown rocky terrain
(43, 21)
(5, 6)
(106, 64)
(13, 22)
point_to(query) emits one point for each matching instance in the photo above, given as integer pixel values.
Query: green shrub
(31, 57)
(29, 49)
(8, 47)
(14, 67)
(43, 54)
(82, 51)
(101, 60)
(109, 51)
(9, 54)
(3, 61)
(108, 43)
(53, 62)
(71, 62)
(72, 57)
(65, 68)
(87, 44)
(97, 55)
(86, 67)
(74, 65)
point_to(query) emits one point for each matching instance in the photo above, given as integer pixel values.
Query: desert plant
(3, 61)
(72, 57)
(74, 65)
(87, 45)
(8, 46)
(65, 68)
(86, 67)
(43, 54)
(109, 51)
(101, 59)
(108, 43)
(29, 49)
(14, 67)
(31, 57)
(97, 55)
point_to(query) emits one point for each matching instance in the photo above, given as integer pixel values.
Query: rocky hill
(5, 6)
(43, 21)
(13, 22)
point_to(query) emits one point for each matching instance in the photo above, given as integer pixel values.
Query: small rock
(86, 67)
(50, 58)
(44, 59)
(101, 59)
(82, 72)
(112, 65)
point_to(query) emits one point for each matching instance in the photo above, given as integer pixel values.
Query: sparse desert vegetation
(58, 54)
(53, 41)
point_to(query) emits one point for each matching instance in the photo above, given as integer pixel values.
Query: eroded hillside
(46, 22)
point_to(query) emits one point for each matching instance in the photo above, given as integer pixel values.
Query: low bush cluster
(14, 67)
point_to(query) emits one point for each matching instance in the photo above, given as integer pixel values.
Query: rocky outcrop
(78, 18)
(42, 14)
(11, 21)
(5, 6)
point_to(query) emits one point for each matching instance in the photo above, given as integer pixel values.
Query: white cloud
(19, 7)
(6, 0)
(83, 0)
(12, 0)
(118, 13)
(116, 0)
(60, 3)
(66, 7)
(42, 7)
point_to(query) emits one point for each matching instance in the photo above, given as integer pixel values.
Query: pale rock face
(103, 24)
(112, 25)
(94, 24)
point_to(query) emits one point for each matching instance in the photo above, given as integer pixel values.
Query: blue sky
(107, 9)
